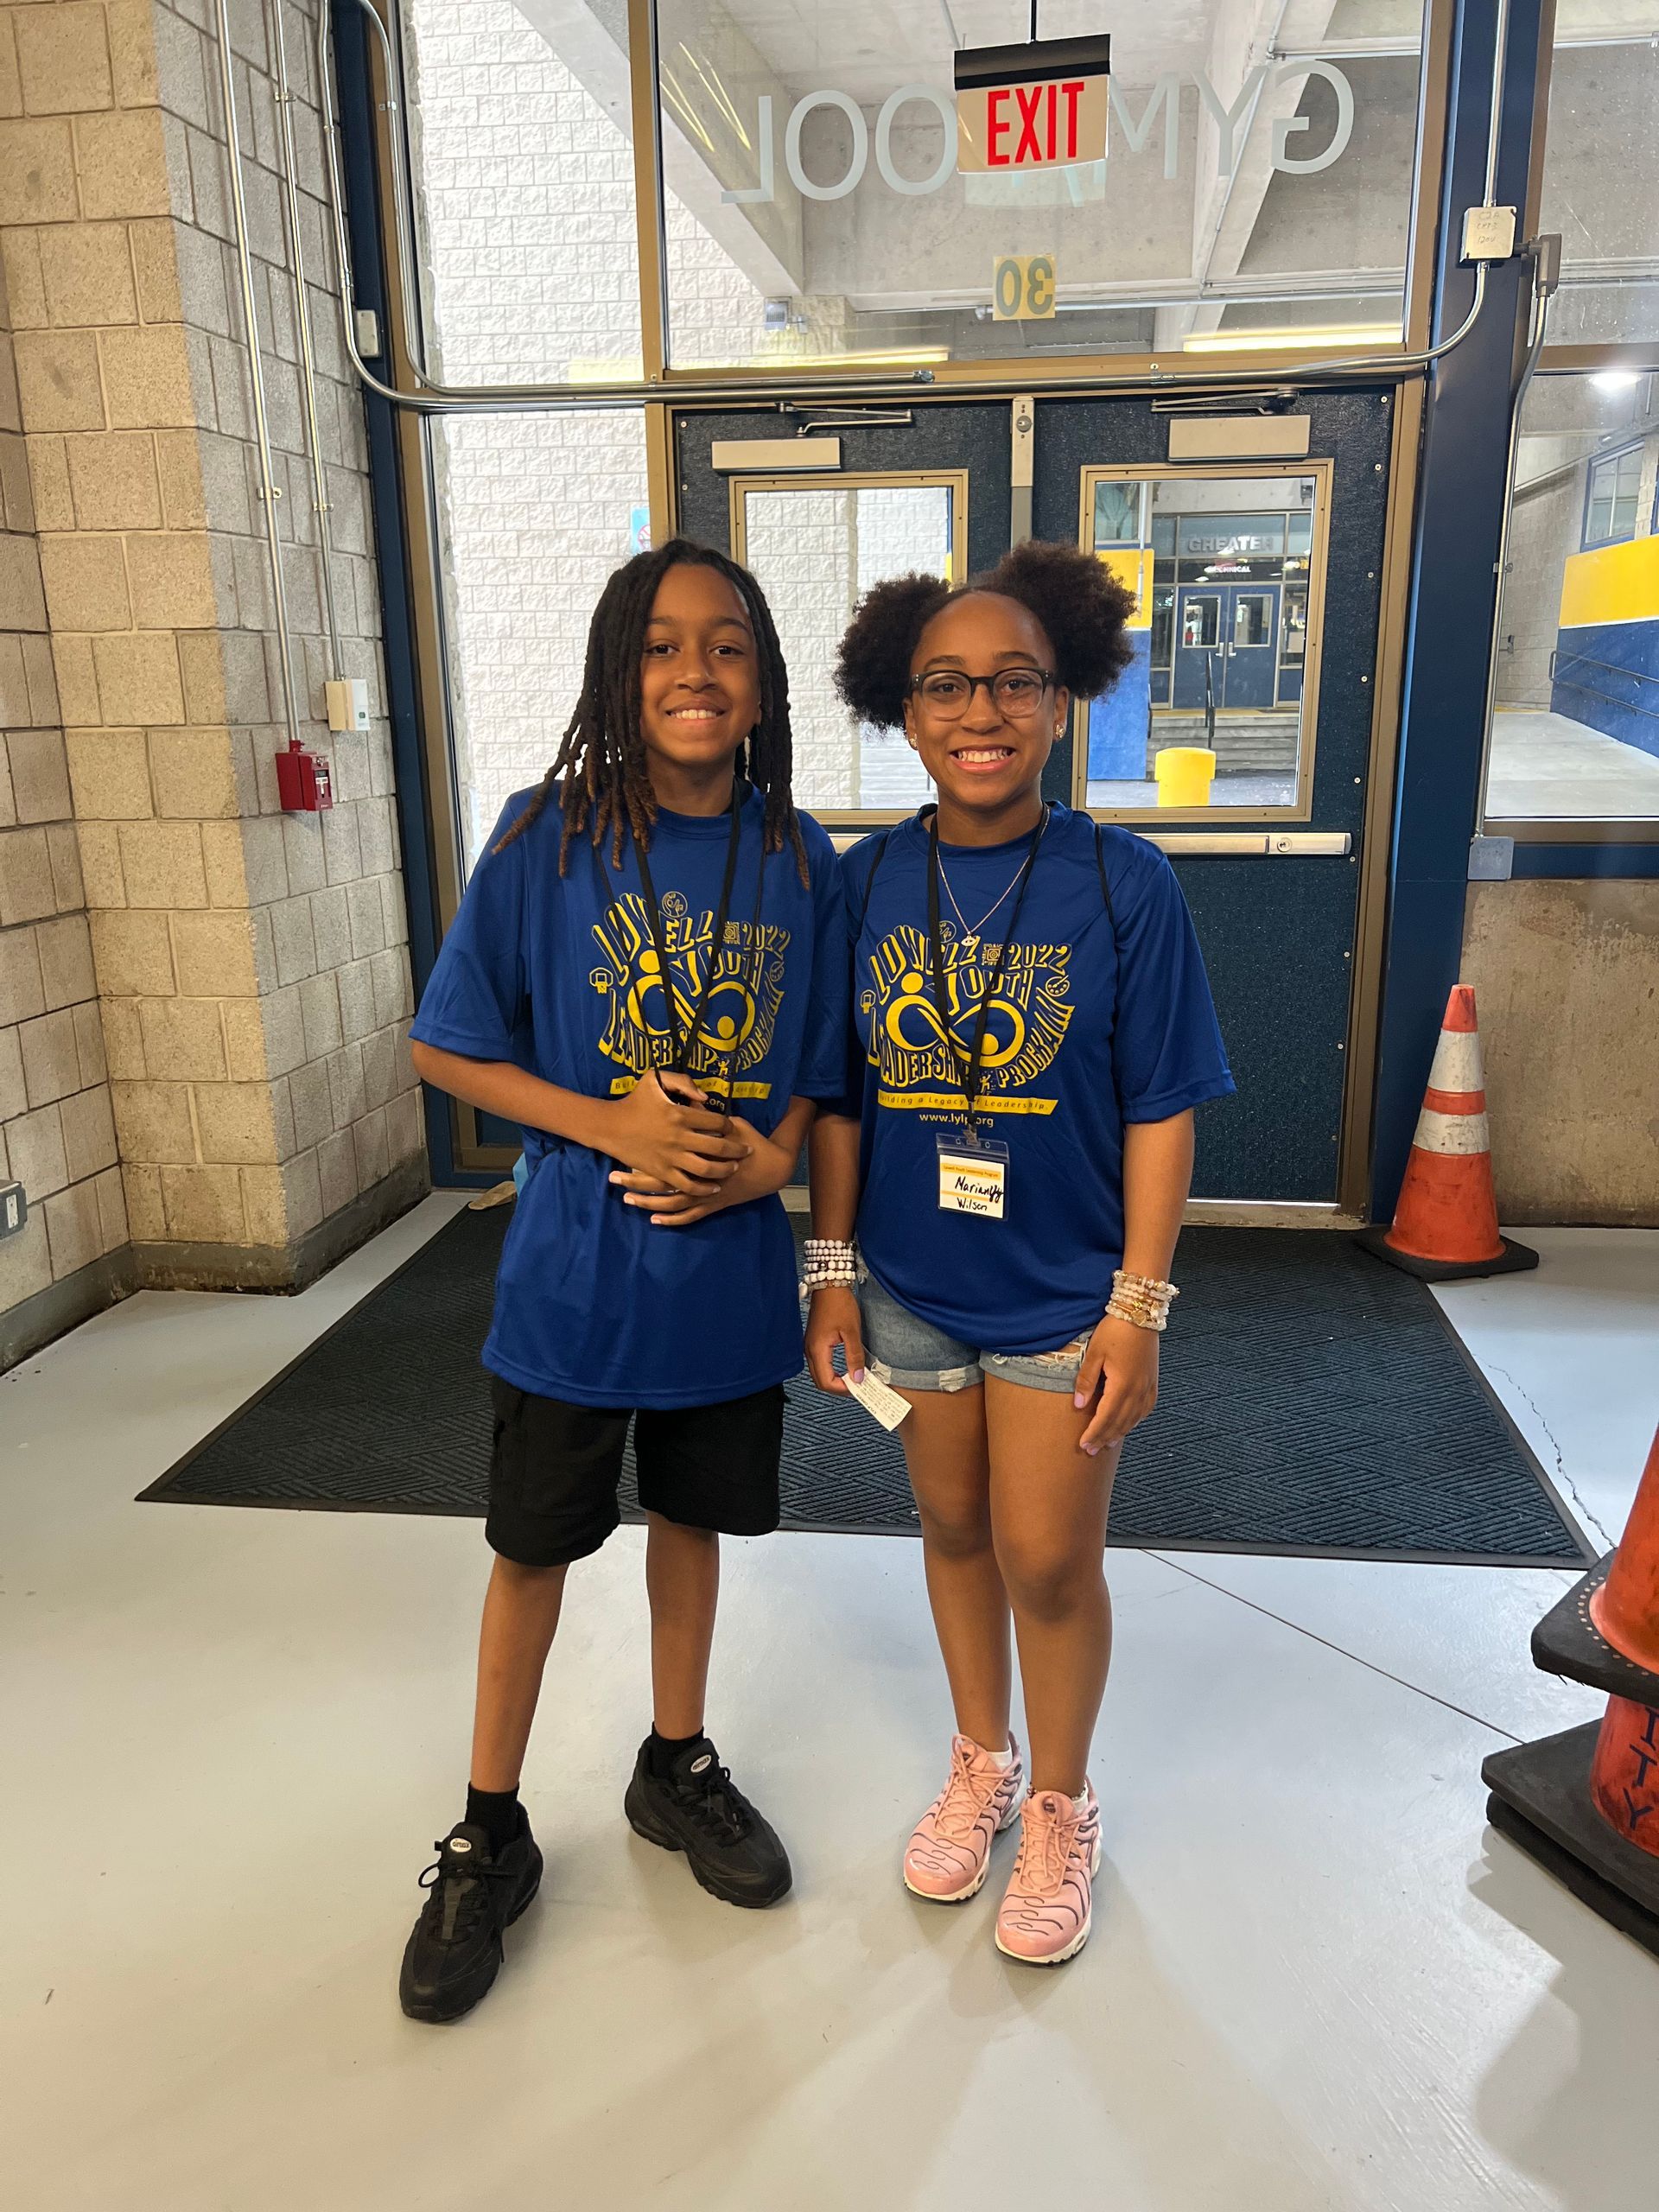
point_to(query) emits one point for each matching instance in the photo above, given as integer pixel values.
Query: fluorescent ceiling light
(1272, 341)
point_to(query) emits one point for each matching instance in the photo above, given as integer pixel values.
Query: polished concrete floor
(1546, 764)
(1317, 1980)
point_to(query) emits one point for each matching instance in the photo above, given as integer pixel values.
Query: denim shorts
(913, 1355)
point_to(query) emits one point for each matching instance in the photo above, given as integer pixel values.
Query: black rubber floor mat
(1312, 1401)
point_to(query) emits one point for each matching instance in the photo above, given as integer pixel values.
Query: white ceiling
(867, 47)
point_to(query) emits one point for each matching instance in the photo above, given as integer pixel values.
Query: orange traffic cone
(1445, 1224)
(1585, 1804)
(1625, 1607)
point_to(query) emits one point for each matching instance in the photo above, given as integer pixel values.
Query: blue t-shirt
(1094, 1027)
(558, 975)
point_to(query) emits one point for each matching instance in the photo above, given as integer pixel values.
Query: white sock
(1001, 1760)
(1080, 1805)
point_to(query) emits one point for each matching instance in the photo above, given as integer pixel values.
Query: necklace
(970, 931)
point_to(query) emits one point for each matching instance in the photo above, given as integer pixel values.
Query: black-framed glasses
(1014, 692)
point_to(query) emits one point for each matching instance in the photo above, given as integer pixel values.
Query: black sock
(496, 1812)
(661, 1751)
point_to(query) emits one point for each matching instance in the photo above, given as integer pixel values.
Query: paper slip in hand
(887, 1407)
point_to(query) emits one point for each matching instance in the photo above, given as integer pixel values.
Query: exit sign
(1038, 107)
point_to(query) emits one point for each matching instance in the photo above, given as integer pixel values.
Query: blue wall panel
(1607, 677)
(1117, 724)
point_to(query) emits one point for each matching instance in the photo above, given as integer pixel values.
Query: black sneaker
(734, 1851)
(455, 1951)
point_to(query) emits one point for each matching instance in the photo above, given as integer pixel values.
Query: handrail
(1624, 706)
(1637, 675)
(436, 399)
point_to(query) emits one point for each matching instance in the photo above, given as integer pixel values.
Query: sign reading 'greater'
(1031, 107)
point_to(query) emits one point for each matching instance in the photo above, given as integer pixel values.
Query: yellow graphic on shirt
(745, 980)
(910, 1048)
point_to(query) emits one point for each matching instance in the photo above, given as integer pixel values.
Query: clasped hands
(683, 1162)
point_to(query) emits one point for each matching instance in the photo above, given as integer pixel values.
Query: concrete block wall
(252, 967)
(57, 1132)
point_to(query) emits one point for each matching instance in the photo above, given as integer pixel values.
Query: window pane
(816, 550)
(1576, 730)
(1117, 514)
(1601, 181)
(524, 194)
(533, 513)
(1219, 639)
(818, 211)
(1252, 618)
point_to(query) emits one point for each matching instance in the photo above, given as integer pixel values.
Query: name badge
(973, 1176)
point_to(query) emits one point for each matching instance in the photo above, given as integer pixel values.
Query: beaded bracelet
(1142, 1301)
(830, 1264)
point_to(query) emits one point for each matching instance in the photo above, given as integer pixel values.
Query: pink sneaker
(1043, 1919)
(948, 1857)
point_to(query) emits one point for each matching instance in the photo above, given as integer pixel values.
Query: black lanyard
(685, 1048)
(971, 1071)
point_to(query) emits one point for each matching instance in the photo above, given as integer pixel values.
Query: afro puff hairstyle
(1080, 605)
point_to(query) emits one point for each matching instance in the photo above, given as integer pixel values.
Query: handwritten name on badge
(972, 1185)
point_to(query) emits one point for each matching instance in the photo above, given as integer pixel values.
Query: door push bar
(1257, 844)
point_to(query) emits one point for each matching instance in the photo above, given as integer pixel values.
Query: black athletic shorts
(554, 1470)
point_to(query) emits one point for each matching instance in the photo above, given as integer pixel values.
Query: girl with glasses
(1034, 1031)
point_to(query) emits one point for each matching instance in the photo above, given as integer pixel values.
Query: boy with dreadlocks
(648, 974)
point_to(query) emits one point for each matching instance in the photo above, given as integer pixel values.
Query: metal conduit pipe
(444, 399)
(261, 419)
(308, 354)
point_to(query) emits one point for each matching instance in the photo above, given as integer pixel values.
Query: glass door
(1271, 865)
(1198, 679)
(1252, 648)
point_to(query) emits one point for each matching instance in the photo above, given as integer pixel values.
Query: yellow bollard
(1185, 774)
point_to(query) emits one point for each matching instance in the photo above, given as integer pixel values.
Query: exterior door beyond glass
(1226, 645)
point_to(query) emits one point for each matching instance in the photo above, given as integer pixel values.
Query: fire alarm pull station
(303, 781)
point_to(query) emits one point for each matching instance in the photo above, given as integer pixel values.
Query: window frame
(854, 820)
(1561, 834)
(1301, 810)
(1009, 373)
(1599, 462)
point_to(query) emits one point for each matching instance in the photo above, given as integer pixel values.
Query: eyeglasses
(1014, 692)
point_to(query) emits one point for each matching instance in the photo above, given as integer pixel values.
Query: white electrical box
(348, 705)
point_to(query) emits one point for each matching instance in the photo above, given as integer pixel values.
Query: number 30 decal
(1022, 288)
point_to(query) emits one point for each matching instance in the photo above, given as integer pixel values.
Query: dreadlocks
(602, 771)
